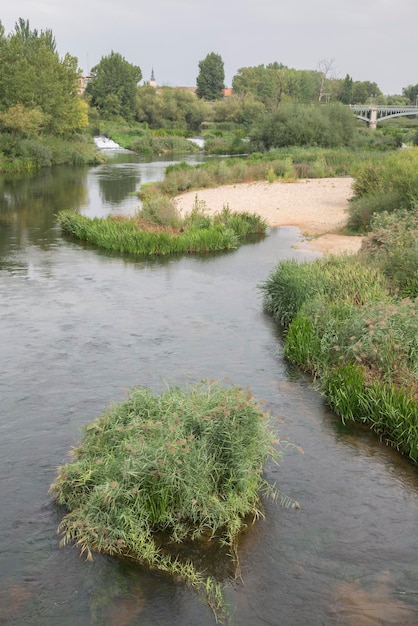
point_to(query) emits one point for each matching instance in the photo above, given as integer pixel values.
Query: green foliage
(411, 92)
(29, 154)
(19, 121)
(362, 209)
(387, 184)
(225, 143)
(113, 87)
(392, 245)
(37, 84)
(168, 108)
(274, 83)
(293, 125)
(140, 139)
(360, 344)
(159, 209)
(183, 464)
(211, 77)
(391, 412)
(346, 94)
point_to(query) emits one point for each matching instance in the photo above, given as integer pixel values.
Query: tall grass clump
(337, 278)
(160, 469)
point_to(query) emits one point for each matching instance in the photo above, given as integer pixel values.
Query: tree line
(40, 96)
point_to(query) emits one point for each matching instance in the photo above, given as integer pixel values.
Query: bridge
(371, 114)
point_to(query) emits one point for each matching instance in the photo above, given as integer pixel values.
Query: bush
(392, 246)
(300, 125)
(389, 185)
(159, 209)
(363, 208)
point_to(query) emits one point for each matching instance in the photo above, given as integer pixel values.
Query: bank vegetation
(352, 321)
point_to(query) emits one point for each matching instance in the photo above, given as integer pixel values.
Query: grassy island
(159, 469)
(197, 233)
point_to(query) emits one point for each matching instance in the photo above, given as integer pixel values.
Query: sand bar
(318, 206)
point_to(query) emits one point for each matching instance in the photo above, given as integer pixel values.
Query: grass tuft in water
(159, 469)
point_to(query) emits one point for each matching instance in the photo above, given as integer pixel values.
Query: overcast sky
(373, 40)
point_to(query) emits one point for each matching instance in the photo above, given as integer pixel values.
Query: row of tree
(39, 91)
(261, 88)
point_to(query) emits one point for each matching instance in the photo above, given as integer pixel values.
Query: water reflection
(116, 182)
(29, 203)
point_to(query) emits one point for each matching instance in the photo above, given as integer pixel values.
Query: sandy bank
(317, 206)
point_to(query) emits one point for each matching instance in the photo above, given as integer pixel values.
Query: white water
(104, 143)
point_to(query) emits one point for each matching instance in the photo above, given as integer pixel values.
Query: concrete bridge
(371, 114)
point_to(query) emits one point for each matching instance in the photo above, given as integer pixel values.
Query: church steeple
(152, 82)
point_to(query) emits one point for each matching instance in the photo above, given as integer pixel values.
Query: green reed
(225, 232)
(162, 468)
(337, 278)
(360, 344)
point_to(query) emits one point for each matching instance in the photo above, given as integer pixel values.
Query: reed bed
(198, 234)
(359, 342)
(337, 278)
(159, 469)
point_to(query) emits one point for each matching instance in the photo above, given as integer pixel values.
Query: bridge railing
(360, 108)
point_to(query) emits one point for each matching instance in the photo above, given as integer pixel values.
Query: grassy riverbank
(32, 154)
(352, 322)
(359, 343)
(160, 469)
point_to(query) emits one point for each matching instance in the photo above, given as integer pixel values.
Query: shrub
(363, 208)
(392, 246)
(159, 209)
(390, 184)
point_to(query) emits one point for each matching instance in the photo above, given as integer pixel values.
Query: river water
(80, 326)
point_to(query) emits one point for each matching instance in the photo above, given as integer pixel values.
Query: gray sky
(372, 40)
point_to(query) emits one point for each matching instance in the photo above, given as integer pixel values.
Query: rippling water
(79, 327)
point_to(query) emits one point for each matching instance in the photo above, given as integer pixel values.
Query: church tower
(152, 82)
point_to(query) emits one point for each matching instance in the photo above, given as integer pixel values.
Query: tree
(113, 87)
(301, 125)
(210, 81)
(34, 77)
(19, 121)
(327, 72)
(346, 94)
(411, 92)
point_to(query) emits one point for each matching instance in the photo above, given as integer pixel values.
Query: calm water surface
(79, 327)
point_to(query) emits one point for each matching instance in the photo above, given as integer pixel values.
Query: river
(80, 326)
